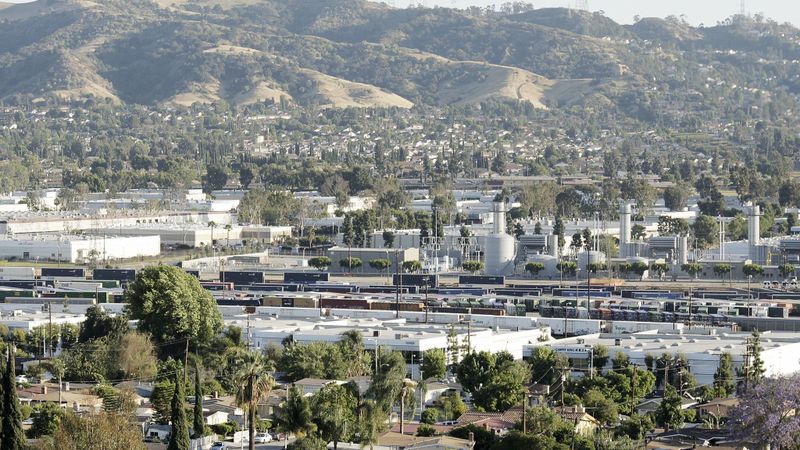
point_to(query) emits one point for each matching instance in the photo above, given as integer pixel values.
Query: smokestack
(500, 217)
(753, 229)
(624, 229)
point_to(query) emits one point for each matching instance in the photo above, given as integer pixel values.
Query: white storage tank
(500, 246)
(590, 257)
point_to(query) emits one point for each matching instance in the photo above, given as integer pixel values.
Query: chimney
(44, 389)
(500, 217)
(471, 438)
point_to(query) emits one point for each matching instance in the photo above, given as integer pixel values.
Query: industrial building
(64, 222)
(186, 234)
(366, 255)
(701, 349)
(408, 334)
(79, 249)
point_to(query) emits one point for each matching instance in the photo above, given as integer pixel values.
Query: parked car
(22, 379)
(217, 446)
(263, 438)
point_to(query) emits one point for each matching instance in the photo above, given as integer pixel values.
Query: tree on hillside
(95, 431)
(724, 382)
(433, 364)
(137, 356)
(198, 422)
(669, 413)
(216, 178)
(294, 415)
(333, 409)
(179, 437)
(253, 385)
(171, 305)
(766, 415)
(13, 437)
(675, 198)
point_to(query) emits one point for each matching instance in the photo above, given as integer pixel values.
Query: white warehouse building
(779, 351)
(79, 249)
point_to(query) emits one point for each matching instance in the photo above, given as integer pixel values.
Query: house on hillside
(584, 423)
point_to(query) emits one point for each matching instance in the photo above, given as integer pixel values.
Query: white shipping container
(17, 273)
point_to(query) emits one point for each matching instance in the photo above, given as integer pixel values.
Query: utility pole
(50, 327)
(748, 349)
(666, 375)
(185, 361)
(399, 280)
(633, 387)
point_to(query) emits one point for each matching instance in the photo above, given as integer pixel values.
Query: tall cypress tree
(13, 436)
(199, 424)
(2, 397)
(179, 439)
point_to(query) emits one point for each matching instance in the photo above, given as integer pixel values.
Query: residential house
(584, 423)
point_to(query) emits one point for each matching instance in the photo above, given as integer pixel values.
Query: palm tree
(212, 225)
(253, 385)
(228, 227)
(409, 386)
(295, 416)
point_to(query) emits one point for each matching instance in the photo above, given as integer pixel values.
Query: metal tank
(500, 246)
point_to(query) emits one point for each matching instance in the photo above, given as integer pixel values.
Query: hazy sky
(708, 12)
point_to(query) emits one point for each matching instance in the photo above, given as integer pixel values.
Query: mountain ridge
(343, 53)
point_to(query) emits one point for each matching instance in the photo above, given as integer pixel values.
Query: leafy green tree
(320, 263)
(659, 269)
(433, 364)
(724, 383)
(669, 413)
(534, 268)
(636, 427)
(46, 418)
(308, 442)
(411, 266)
(351, 263)
(638, 232)
(429, 416)
(603, 408)
(333, 409)
(495, 381)
(388, 238)
(757, 369)
(752, 270)
(786, 270)
(472, 266)
(721, 270)
(179, 437)
(567, 267)
(254, 383)
(98, 324)
(171, 305)
(380, 264)
(692, 269)
(546, 365)
(705, 229)
(294, 416)
(675, 198)
(95, 431)
(216, 178)
(451, 405)
(388, 381)
(639, 268)
(161, 398)
(600, 357)
(371, 423)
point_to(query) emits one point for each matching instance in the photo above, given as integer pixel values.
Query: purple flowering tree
(769, 413)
